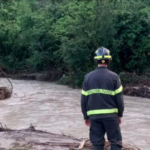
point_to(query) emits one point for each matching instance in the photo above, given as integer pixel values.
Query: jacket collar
(101, 67)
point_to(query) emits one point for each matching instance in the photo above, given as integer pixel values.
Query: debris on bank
(32, 139)
(5, 92)
(136, 85)
(137, 90)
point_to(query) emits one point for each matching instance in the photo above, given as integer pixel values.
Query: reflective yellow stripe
(119, 90)
(102, 91)
(84, 93)
(102, 111)
(105, 56)
(95, 91)
(97, 57)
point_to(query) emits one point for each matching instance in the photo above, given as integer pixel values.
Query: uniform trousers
(111, 127)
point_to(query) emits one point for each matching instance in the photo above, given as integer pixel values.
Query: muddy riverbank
(134, 85)
(56, 108)
(32, 139)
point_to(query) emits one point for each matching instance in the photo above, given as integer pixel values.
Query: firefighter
(102, 103)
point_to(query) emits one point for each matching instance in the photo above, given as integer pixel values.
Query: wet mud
(32, 139)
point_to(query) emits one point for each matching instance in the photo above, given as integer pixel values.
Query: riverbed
(56, 108)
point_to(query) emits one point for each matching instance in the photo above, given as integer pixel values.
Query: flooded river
(56, 108)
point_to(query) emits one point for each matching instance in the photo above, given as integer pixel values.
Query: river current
(56, 108)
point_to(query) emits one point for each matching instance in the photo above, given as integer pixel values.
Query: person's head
(103, 56)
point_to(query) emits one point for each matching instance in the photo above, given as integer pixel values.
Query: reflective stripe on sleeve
(119, 90)
(102, 111)
(102, 91)
(84, 93)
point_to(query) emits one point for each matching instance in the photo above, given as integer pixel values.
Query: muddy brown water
(56, 108)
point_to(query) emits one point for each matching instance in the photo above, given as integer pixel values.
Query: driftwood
(32, 139)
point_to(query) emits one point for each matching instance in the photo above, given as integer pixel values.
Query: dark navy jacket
(102, 95)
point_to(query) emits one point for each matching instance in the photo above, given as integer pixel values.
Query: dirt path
(56, 108)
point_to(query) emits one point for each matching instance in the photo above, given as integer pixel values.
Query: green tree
(84, 27)
(132, 46)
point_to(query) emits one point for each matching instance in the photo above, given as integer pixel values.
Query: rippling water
(56, 108)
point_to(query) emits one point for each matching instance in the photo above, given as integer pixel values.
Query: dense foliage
(62, 36)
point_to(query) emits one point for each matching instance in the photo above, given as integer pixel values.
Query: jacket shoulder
(109, 73)
(113, 74)
(89, 74)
